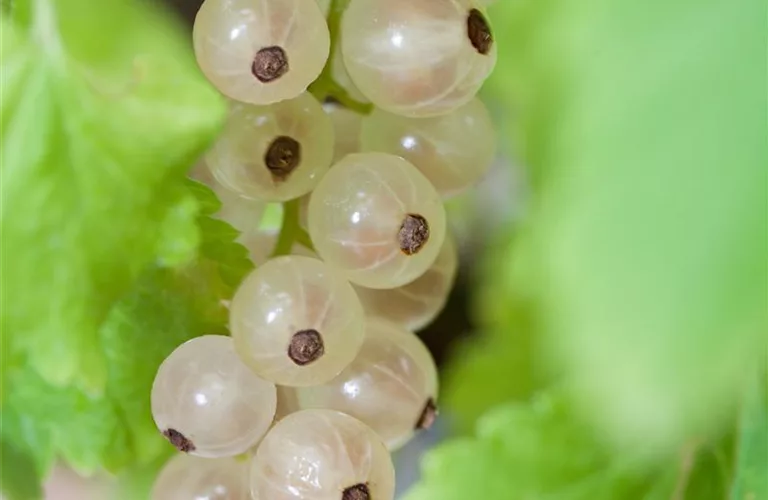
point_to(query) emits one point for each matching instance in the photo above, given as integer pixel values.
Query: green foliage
(528, 451)
(165, 308)
(20, 479)
(103, 110)
(751, 481)
(644, 124)
(541, 450)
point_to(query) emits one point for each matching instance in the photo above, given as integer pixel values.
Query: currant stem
(325, 86)
(290, 230)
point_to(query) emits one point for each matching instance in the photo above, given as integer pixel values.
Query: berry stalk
(326, 86)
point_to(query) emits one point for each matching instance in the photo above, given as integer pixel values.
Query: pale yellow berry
(322, 455)
(377, 219)
(273, 153)
(454, 151)
(261, 51)
(346, 130)
(208, 403)
(192, 478)
(417, 57)
(391, 385)
(417, 303)
(296, 322)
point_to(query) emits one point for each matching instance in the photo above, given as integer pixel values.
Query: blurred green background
(608, 336)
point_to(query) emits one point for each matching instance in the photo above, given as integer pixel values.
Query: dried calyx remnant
(357, 492)
(479, 32)
(282, 157)
(428, 415)
(269, 64)
(178, 440)
(306, 346)
(413, 234)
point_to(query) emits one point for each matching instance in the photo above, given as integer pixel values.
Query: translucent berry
(192, 478)
(273, 153)
(376, 218)
(261, 51)
(346, 130)
(286, 402)
(391, 385)
(417, 57)
(206, 402)
(417, 303)
(453, 151)
(296, 322)
(322, 455)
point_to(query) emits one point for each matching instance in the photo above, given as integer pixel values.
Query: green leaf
(528, 451)
(103, 110)
(751, 480)
(19, 476)
(541, 450)
(167, 307)
(644, 124)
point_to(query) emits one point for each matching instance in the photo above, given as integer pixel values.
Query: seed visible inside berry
(479, 32)
(356, 492)
(306, 347)
(413, 234)
(178, 440)
(428, 416)
(269, 64)
(282, 157)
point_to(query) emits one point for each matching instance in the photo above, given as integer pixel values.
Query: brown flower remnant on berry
(178, 440)
(357, 492)
(428, 415)
(269, 64)
(479, 32)
(413, 234)
(282, 157)
(306, 346)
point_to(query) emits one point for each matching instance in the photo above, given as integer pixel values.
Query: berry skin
(417, 303)
(391, 386)
(453, 151)
(377, 219)
(273, 153)
(209, 404)
(417, 57)
(261, 51)
(296, 322)
(322, 455)
(186, 477)
(346, 130)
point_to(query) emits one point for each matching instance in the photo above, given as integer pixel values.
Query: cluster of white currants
(323, 376)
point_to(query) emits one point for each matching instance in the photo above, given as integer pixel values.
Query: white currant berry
(417, 57)
(322, 455)
(192, 478)
(346, 130)
(417, 303)
(391, 386)
(261, 51)
(453, 151)
(208, 403)
(296, 322)
(376, 218)
(276, 152)
(287, 402)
